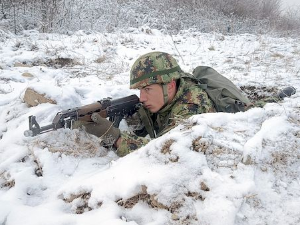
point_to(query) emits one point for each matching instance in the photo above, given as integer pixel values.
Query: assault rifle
(115, 110)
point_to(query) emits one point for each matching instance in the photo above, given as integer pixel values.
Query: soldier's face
(152, 97)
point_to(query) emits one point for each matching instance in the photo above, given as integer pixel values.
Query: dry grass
(277, 55)
(152, 201)
(75, 143)
(6, 182)
(100, 59)
(166, 149)
(79, 202)
(256, 93)
(201, 144)
(166, 146)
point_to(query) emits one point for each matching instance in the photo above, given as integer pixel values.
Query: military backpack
(224, 94)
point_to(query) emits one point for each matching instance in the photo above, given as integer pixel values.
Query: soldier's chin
(152, 109)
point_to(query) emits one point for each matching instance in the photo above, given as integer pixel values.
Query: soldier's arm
(184, 111)
(128, 143)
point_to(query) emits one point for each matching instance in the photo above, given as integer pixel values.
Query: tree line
(62, 16)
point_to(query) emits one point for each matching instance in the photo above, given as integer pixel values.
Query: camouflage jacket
(189, 100)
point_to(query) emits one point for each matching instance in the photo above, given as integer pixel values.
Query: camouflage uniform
(189, 100)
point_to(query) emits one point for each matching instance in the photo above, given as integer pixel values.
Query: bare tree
(44, 16)
(270, 8)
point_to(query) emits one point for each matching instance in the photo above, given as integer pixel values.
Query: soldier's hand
(102, 128)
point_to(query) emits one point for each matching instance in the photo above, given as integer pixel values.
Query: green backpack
(224, 94)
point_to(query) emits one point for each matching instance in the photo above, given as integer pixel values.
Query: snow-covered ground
(212, 169)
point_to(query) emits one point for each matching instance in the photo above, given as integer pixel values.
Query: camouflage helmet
(154, 68)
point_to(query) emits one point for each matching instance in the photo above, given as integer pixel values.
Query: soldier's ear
(172, 85)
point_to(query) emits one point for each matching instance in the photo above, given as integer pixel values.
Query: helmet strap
(165, 93)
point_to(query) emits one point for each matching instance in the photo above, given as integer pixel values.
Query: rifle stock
(115, 110)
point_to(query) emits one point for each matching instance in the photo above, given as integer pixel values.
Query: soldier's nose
(142, 97)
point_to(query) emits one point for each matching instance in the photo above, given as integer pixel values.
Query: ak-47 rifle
(115, 110)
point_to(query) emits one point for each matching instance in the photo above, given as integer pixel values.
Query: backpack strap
(145, 117)
(165, 93)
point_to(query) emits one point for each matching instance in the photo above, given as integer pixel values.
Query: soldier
(166, 97)
(167, 94)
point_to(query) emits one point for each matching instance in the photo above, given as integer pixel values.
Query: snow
(214, 168)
